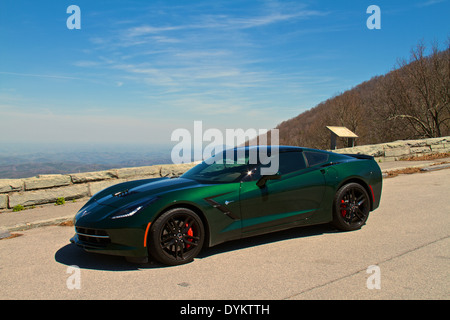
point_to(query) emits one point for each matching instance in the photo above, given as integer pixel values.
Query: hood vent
(123, 193)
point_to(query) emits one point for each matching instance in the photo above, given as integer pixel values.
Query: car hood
(117, 199)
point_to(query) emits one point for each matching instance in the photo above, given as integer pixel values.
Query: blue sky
(137, 70)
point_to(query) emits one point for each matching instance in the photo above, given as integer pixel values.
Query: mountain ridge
(412, 101)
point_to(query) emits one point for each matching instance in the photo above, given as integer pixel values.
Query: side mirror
(262, 181)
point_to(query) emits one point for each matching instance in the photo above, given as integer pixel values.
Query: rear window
(315, 158)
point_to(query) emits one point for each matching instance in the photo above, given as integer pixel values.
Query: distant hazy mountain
(27, 160)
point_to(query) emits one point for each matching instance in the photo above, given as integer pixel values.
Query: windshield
(223, 167)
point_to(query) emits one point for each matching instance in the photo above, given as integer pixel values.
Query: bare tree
(411, 101)
(419, 93)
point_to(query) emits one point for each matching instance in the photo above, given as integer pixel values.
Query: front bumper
(127, 242)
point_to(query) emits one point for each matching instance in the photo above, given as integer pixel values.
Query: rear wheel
(176, 237)
(351, 207)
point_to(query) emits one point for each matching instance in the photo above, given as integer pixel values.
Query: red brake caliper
(343, 208)
(191, 234)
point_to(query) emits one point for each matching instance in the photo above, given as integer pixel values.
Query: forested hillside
(412, 101)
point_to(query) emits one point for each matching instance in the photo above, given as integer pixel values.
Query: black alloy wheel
(351, 207)
(176, 237)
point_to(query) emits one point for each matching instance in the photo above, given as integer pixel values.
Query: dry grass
(13, 235)
(394, 173)
(432, 156)
(66, 224)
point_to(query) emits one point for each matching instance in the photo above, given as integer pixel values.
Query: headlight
(133, 209)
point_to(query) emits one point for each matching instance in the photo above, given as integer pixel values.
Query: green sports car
(172, 219)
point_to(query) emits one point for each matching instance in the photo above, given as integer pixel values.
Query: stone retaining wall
(397, 150)
(48, 188)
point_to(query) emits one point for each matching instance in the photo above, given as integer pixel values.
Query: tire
(176, 237)
(351, 207)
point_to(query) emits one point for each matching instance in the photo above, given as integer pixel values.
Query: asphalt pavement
(401, 253)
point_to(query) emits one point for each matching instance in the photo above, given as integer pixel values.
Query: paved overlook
(402, 253)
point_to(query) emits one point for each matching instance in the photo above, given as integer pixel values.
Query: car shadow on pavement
(298, 232)
(72, 255)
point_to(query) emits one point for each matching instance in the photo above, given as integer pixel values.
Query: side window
(315, 158)
(290, 162)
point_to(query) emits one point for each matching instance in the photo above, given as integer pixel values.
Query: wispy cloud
(147, 29)
(257, 21)
(430, 3)
(86, 63)
(210, 63)
(51, 76)
(138, 35)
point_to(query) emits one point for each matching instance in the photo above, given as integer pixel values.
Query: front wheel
(176, 237)
(351, 207)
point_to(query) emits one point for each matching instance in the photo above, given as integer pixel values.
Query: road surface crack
(364, 269)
